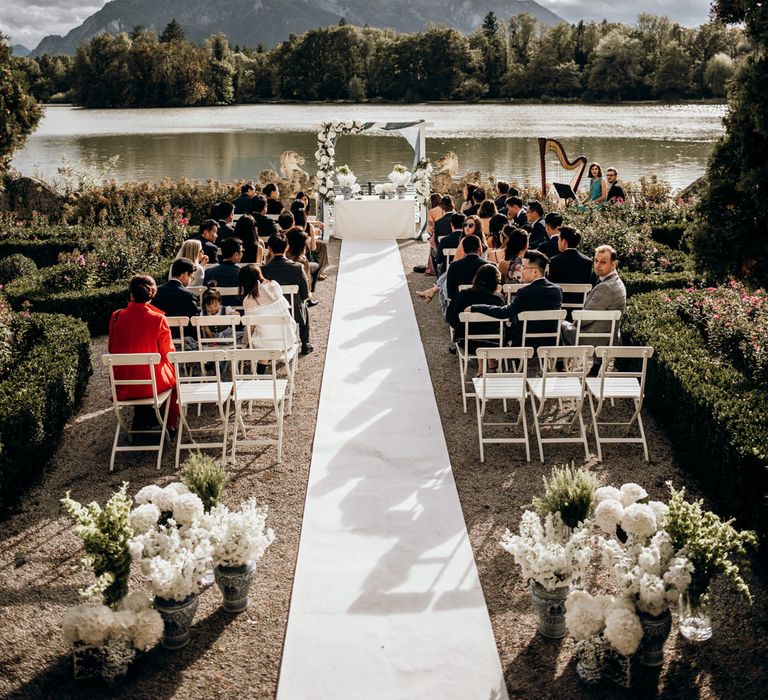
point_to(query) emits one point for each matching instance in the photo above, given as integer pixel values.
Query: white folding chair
(180, 322)
(290, 291)
(555, 384)
(551, 318)
(509, 290)
(282, 332)
(619, 384)
(450, 254)
(149, 360)
(569, 288)
(463, 348)
(502, 386)
(198, 390)
(215, 341)
(600, 319)
(264, 389)
(231, 292)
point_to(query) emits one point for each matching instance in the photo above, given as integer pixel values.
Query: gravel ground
(230, 654)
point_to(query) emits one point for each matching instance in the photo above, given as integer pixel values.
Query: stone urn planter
(235, 582)
(401, 191)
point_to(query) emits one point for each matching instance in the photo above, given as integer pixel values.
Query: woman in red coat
(141, 328)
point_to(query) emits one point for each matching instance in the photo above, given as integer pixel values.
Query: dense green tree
(19, 111)
(672, 77)
(221, 69)
(522, 32)
(718, 72)
(494, 48)
(173, 32)
(731, 236)
(616, 71)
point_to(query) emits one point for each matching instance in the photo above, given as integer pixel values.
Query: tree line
(521, 58)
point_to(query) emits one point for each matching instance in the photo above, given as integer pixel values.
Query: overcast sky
(28, 21)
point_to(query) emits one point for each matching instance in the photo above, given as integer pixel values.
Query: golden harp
(571, 171)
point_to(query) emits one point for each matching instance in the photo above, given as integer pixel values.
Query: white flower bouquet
(345, 177)
(551, 554)
(156, 505)
(588, 616)
(422, 181)
(630, 510)
(400, 175)
(239, 537)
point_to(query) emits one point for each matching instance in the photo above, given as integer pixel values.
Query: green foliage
(105, 533)
(708, 542)
(568, 491)
(19, 112)
(44, 381)
(714, 414)
(205, 477)
(15, 266)
(642, 282)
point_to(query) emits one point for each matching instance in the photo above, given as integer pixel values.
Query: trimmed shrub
(42, 252)
(15, 266)
(714, 414)
(640, 282)
(39, 393)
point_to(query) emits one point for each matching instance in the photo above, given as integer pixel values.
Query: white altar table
(371, 218)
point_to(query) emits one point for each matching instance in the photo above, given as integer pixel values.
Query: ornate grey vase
(118, 655)
(590, 657)
(656, 629)
(235, 582)
(550, 606)
(401, 191)
(618, 668)
(346, 192)
(177, 618)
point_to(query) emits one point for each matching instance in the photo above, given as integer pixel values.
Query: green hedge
(715, 416)
(39, 393)
(640, 282)
(43, 252)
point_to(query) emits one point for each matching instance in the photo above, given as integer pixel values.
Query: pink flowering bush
(733, 321)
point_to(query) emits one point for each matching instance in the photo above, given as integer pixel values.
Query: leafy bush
(38, 394)
(43, 252)
(640, 282)
(15, 266)
(205, 477)
(568, 491)
(714, 414)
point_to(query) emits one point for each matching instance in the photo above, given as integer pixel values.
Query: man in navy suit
(539, 294)
(209, 233)
(552, 223)
(226, 274)
(174, 299)
(535, 224)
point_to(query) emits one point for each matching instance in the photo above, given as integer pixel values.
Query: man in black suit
(285, 272)
(569, 266)
(264, 225)
(174, 299)
(244, 203)
(535, 224)
(516, 212)
(226, 215)
(227, 272)
(270, 191)
(209, 231)
(478, 197)
(443, 224)
(463, 271)
(539, 295)
(449, 241)
(502, 187)
(552, 223)
(616, 194)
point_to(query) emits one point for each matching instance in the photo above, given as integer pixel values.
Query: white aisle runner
(386, 600)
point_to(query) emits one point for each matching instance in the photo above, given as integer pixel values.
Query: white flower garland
(422, 181)
(326, 151)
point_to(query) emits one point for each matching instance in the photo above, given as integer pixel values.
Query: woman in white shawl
(263, 297)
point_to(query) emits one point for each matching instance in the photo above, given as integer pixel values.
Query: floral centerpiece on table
(400, 175)
(345, 177)
(105, 638)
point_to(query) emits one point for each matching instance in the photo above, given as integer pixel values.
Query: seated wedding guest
(484, 290)
(609, 294)
(535, 224)
(451, 240)
(616, 194)
(270, 191)
(539, 294)
(319, 225)
(225, 214)
(226, 272)
(246, 231)
(244, 203)
(263, 297)
(516, 247)
(472, 227)
(502, 187)
(494, 238)
(297, 251)
(598, 190)
(478, 197)
(485, 211)
(173, 298)
(141, 328)
(435, 212)
(317, 250)
(212, 306)
(552, 223)
(264, 225)
(193, 250)
(516, 212)
(569, 266)
(443, 224)
(285, 221)
(208, 236)
(468, 194)
(287, 272)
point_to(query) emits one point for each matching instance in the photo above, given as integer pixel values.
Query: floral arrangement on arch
(422, 181)
(326, 152)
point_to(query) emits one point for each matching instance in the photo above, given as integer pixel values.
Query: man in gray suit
(609, 294)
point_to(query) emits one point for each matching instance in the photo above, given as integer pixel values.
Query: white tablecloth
(372, 218)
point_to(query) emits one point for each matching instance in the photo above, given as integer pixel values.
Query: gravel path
(240, 654)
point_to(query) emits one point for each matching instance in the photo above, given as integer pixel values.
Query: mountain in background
(268, 22)
(19, 50)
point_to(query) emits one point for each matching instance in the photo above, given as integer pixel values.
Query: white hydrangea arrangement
(400, 175)
(613, 618)
(239, 537)
(345, 177)
(550, 553)
(422, 181)
(630, 509)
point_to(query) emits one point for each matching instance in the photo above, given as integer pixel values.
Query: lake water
(229, 143)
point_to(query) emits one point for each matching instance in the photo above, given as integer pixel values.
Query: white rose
(607, 493)
(639, 521)
(147, 494)
(608, 515)
(324, 160)
(144, 518)
(331, 134)
(331, 151)
(632, 493)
